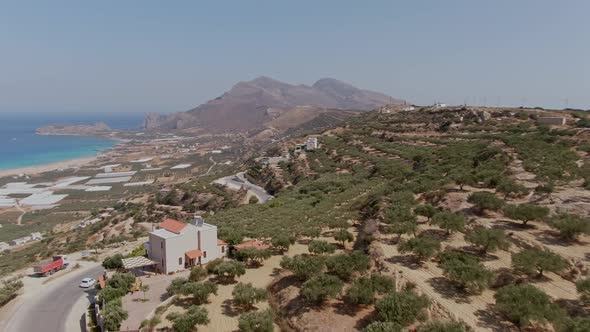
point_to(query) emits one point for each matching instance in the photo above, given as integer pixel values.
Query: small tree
(113, 262)
(176, 285)
(257, 321)
(144, 289)
(425, 210)
(186, 322)
(319, 247)
(488, 239)
(511, 189)
(282, 242)
(212, 265)
(526, 212)
(198, 273)
(583, 287)
(342, 235)
(362, 290)
(150, 324)
(344, 265)
(449, 221)
(570, 226)
(229, 270)
(483, 200)
(402, 308)
(253, 255)
(444, 326)
(303, 266)
(463, 177)
(312, 232)
(402, 228)
(113, 315)
(383, 327)
(465, 270)
(245, 295)
(423, 247)
(523, 304)
(531, 260)
(200, 291)
(319, 288)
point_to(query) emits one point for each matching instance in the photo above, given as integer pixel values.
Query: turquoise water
(21, 147)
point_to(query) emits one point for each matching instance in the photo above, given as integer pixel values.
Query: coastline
(58, 165)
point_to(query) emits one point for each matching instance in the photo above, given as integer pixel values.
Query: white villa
(176, 246)
(311, 143)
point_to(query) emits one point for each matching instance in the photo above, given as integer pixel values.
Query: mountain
(257, 104)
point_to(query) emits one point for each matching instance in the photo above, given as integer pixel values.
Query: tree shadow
(449, 290)
(224, 280)
(346, 309)
(284, 282)
(574, 308)
(409, 261)
(229, 310)
(552, 237)
(492, 319)
(361, 324)
(476, 251)
(184, 302)
(304, 242)
(437, 234)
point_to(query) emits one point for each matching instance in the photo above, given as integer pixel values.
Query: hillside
(259, 104)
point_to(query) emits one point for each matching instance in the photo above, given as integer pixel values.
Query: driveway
(238, 181)
(57, 305)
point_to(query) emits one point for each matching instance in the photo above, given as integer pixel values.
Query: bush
(245, 295)
(440, 326)
(523, 304)
(342, 235)
(200, 291)
(449, 221)
(212, 265)
(176, 285)
(253, 255)
(198, 273)
(583, 287)
(383, 327)
(113, 262)
(282, 242)
(229, 270)
(257, 321)
(122, 281)
(425, 210)
(531, 260)
(483, 200)
(321, 247)
(362, 290)
(344, 265)
(9, 290)
(570, 226)
(319, 288)
(402, 308)
(303, 266)
(423, 247)
(186, 322)
(526, 212)
(465, 270)
(488, 239)
(511, 189)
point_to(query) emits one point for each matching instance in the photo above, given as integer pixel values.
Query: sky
(159, 56)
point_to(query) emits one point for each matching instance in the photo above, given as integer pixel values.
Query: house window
(204, 254)
(179, 260)
(162, 245)
(162, 261)
(222, 249)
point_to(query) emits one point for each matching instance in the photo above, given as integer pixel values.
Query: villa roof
(193, 254)
(252, 244)
(172, 225)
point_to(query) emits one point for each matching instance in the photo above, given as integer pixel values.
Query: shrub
(425, 210)
(449, 221)
(122, 281)
(526, 212)
(282, 242)
(444, 326)
(342, 235)
(186, 322)
(176, 285)
(511, 189)
(257, 321)
(383, 327)
(483, 200)
(229, 270)
(523, 304)
(531, 260)
(113, 315)
(113, 262)
(9, 290)
(245, 295)
(423, 247)
(402, 228)
(465, 270)
(570, 226)
(200, 291)
(583, 287)
(402, 308)
(303, 266)
(319, 288)
(362, 290)
(253, 255)
(198, 273)
(212, 265)
(344, 265)
(488, 239)
(321, 247)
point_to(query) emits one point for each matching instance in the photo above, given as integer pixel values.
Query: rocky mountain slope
(256, 105)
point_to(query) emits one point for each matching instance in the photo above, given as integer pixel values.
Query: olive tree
(423, 247)
(342, 235)
(402, 308)
(344, 265)
(511, 189)
(200, 291)
(186, 322)
(319, 288)
(449, 221)
(227, 271)
(526, 212)
(282, 242)
(536, 260)
(257, 321)
(245, 295)
(583, 287)
(363, 290)
(426, 210)
(465, 270)
(321, 247)
(113, 315)
(198, 273)
(444, 326)
(253, 255)
(483, 200)
(570, 225)
(303, 266)
(523, 304)
(488, 239)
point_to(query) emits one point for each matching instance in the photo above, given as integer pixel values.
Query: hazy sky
(160, 56)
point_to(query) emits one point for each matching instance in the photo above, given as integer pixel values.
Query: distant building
(4, 246)
(439, 105)
(176, 246)
(21, 241)
(36, 236)
(552, 120)
(311, 143)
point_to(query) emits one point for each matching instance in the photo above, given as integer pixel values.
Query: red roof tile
(252, 244)
(193, 254)
(172, 225)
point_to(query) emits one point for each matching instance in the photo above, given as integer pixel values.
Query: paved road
(239, 180)
(49, 309)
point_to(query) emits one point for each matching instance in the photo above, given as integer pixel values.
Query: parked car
(87, 283)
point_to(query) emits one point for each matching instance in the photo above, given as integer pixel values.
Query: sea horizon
(21, 147)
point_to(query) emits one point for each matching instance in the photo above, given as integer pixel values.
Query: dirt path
(19, 220)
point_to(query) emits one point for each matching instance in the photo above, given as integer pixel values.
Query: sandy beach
(72, 163)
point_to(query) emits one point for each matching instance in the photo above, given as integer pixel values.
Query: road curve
(49, 309)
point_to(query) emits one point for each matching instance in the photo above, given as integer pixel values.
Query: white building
(21, 241)
(36, 236)
(311, 143)
(176, 246)
(4, 246)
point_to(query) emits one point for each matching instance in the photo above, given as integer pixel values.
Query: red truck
(50, 266)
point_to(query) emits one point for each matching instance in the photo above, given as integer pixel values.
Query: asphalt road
(50, 308)
(239, 180)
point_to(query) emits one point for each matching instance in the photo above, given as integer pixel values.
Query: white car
(87, 283)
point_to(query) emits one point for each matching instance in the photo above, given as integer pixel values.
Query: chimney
(198, 221)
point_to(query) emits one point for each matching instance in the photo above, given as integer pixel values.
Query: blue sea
(21, 147)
